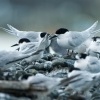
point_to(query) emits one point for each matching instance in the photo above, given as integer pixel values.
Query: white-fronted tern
(72, 39)
(39, 50)
(93, 47)
(31, 35)
(40, 80)
(42, 84)
(87, 63)
(25, 45)
(83, 86)
(90, 44)
(10, 57)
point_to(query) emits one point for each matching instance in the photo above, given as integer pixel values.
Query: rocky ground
(49, 65)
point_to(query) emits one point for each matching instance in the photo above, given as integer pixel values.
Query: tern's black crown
(24, 40)
(43, 34)
(61, 31)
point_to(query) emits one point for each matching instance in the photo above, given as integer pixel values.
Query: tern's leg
(69, 52)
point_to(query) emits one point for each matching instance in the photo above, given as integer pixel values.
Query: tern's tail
(12, 30)
(91, 29)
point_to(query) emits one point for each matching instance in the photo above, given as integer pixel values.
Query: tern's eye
(61, 31)
(24, 40)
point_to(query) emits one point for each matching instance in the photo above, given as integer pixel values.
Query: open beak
(14, 45)
(53, 36)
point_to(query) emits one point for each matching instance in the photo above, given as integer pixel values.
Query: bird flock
(83, 47)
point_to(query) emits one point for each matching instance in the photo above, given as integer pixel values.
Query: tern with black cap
(72, 39)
